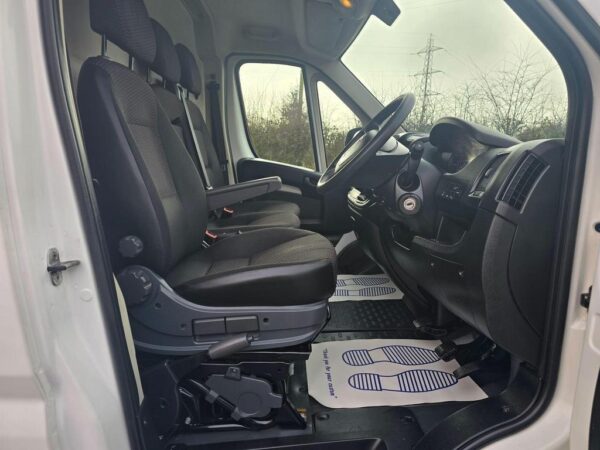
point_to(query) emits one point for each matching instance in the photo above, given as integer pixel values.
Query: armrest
(229, 195)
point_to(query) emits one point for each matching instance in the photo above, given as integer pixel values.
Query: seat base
(165, 323)
(245, 391)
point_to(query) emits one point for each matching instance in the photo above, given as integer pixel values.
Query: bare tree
(466, 103)
(515, 97)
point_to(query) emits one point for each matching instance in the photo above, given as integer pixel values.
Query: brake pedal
(446, 350)
(425, 327)
(467, 369)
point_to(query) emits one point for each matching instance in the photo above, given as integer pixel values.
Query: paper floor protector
(384, 372)
(365, 287)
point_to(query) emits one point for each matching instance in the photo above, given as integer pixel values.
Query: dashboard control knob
(409, 204)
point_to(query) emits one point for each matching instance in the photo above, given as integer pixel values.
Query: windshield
(470, 59)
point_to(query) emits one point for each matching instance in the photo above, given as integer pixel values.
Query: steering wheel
(371, 138)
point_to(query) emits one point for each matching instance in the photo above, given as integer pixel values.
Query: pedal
(424, 326)
(479, 351)
(446, 350)
(467, 369)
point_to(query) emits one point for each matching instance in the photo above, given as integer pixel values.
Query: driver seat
(190, 76)
(151, 194)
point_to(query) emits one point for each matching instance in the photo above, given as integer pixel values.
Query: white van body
(58, 387)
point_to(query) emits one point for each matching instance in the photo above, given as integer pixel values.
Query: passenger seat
(242, 217)
(264, 289)
(191, 81)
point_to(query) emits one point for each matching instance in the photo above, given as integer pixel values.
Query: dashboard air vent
(522, 181)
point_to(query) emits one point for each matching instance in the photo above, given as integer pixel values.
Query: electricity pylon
(425, 88)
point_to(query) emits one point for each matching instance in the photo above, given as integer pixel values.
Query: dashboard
(458, 142)
(482, 239)
(457, 150)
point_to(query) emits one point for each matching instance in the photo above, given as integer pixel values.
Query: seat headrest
(166, 61)
(127, 24)
(190, 74)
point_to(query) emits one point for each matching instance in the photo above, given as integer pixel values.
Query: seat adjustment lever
(230, 346)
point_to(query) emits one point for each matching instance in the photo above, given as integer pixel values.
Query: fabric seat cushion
(277, 266)
(266, 206)
(254, 221)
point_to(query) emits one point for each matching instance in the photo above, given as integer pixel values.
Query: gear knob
(408, 180)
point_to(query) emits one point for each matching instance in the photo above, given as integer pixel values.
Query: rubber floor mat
(377, 315)
(365, 287)
(384, 372)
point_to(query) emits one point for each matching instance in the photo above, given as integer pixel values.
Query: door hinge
(586, 297)
(56, 267)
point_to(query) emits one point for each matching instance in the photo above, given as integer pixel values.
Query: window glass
(471, 59)
(274, 98)
(336, 118)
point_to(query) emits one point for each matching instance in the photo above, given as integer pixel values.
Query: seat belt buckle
(209, 238)
(228, 212)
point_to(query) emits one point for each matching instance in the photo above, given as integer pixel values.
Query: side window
(336, 118)
(274, 99)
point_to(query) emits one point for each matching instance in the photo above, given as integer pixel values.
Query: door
(585, 431)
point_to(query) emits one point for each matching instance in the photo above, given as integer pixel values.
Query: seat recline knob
(130, 246)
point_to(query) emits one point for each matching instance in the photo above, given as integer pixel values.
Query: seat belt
(216, 127)
(183, 98)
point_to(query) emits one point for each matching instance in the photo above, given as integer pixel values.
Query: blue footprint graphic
(358, 281)
(400, 354)
(411, 381)
(365, 292)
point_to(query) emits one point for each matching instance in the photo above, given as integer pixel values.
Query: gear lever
(408, 180)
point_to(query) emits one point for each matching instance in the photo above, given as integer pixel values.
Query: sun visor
(386, 10)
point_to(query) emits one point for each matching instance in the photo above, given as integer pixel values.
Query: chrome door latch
(56, 267)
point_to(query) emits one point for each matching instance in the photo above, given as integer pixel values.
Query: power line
(426, 76)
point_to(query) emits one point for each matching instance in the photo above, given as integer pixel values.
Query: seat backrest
(191, 80)
(166, 65)
(147, 184)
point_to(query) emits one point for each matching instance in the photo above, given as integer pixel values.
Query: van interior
(293, 279)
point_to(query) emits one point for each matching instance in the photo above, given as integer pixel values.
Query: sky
(475, 36)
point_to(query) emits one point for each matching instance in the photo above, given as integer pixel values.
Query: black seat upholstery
(191, 80)
(293, 265)
(267, 214)
(149, 187)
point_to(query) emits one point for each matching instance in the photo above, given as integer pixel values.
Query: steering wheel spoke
(366, 143)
